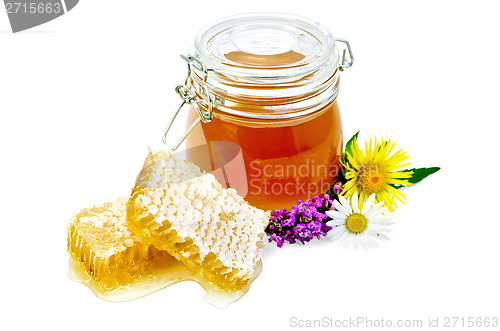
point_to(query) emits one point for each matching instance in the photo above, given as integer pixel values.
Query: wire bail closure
(189, 97)
(345, 63)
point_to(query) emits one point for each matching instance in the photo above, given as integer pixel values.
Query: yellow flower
(374, 171)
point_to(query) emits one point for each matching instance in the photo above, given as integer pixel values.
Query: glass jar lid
(264, 45)
(245, 53)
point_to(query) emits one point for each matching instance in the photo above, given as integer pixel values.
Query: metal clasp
(346, 63)
(188, 96)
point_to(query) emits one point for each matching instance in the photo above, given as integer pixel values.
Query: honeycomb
(211, 230)
(107, 253)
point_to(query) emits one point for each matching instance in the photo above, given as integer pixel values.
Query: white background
(83, 96)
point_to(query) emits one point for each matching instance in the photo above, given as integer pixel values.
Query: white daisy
(358, 222)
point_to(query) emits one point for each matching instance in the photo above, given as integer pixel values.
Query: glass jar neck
(269, 65)
(270, 98)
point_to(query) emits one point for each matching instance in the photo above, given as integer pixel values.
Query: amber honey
(286, 161)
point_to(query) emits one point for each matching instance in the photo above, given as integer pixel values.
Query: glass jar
(269, 83)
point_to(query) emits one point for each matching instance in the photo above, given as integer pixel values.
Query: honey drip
(158, 280)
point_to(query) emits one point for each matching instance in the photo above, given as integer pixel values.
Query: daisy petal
(340, 237)
(379, 228)
(336, 223)
(336, 231)
(336, 215)
(341, 208)
(347, 239)
(355, 241)
(377, 234)
(355, 203)
(370, 242)
(362, 241)
(343, 200)
(382, 220)
(383, 236)
(368, 204)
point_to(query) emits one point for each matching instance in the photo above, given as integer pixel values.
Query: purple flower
(337, 188)
(315, 226)
(303, 222)
(278, 239)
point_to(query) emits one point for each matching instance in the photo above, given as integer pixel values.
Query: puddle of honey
(161, 279)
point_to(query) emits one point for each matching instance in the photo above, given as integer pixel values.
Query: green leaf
(348, 146)
(419, 174)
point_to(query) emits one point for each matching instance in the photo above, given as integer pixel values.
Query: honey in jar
(269, 83)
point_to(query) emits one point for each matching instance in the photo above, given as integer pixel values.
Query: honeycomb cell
(214, 232)
(106, 254)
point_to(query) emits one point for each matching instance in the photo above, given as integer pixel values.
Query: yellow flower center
(356, 223)
(371, 179)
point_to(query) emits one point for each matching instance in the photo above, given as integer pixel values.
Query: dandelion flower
(375, 171)
(358, 222)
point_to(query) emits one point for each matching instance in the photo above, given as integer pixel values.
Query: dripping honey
(156, 280)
